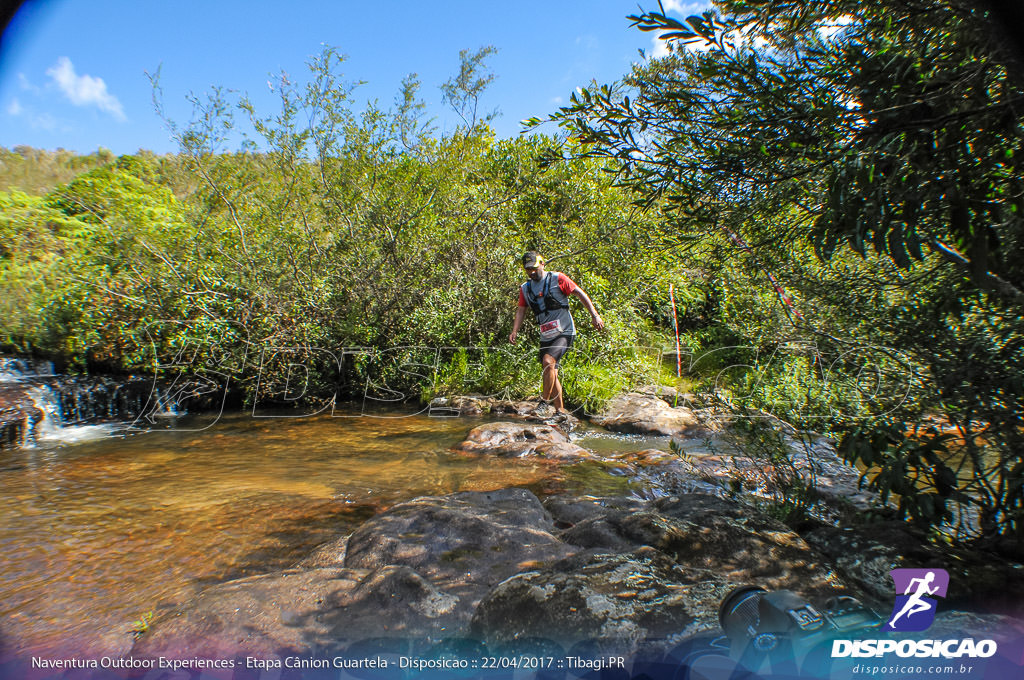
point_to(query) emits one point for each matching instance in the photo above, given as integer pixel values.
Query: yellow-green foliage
(330, 237)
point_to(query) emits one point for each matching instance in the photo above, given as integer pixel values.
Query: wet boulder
(567, 510)
(260, 615)
(393, 601)
(640, 413)
(618, 600)
(18, 415)
(521, 440)
(463, 543)
(707, 534)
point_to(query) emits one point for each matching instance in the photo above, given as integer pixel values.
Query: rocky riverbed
(629, 574)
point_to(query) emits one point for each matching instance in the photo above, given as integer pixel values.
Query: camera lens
(738, 613)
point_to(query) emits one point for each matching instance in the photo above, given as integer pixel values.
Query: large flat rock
(276, 613)
(711, 535)
(521, 440)
(464, 543)
(640, 413)
(617, 600)
(618, 574)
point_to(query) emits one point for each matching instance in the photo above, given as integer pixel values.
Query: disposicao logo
(914, 611)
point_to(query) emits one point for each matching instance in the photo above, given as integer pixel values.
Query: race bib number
(550, 330)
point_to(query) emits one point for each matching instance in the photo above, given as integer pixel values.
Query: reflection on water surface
(95, 535)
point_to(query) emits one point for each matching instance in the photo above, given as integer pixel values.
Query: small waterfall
(49, 421)
(51, 425)
(16, 369)
(38, 406)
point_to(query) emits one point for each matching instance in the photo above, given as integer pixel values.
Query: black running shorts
(556, 347)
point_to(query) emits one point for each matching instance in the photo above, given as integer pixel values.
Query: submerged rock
(661, 473)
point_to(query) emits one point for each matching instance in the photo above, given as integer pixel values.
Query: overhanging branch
(988, 279)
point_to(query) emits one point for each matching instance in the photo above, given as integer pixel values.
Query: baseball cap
(532, 259)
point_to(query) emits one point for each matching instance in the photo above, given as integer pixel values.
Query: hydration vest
(550, 303)
(546, 301)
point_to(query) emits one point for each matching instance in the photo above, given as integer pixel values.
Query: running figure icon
(916, 603)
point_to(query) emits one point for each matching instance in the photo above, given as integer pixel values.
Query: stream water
(96, 533)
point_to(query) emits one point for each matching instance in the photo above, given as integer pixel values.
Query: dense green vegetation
(870, 155)
(838, 211)
(334, 226)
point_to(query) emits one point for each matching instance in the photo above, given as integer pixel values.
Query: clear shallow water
(95, 534)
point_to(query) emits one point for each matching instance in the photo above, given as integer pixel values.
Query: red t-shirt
(567, 286)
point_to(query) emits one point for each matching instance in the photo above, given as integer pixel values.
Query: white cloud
(84, 90)
(14, 108)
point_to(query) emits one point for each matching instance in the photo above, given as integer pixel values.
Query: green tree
(340, 223)
(890, 127)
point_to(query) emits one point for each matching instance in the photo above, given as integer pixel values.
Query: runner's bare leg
(552, 392)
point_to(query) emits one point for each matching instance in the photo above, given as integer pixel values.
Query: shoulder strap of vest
(528, 289)
(538, 302)
(558, 303)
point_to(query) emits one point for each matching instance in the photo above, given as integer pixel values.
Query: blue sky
(73, 72)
